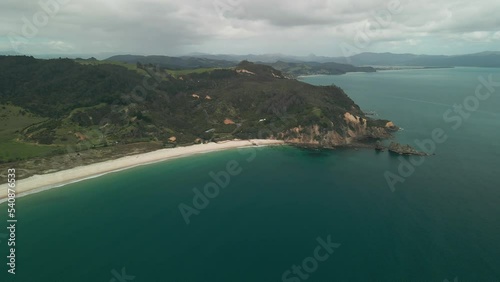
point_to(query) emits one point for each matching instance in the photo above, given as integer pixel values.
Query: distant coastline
(39, 183)
(385, 68)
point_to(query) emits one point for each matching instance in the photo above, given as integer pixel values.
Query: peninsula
(59, 114)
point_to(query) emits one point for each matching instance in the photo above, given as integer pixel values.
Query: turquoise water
(441, 223)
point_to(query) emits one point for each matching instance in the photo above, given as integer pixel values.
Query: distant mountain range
(174, 63)
(483, 59)
(303, 65)
(311, 65)
(292, 69)
(8, 53)
(314, 68)
(266, 58)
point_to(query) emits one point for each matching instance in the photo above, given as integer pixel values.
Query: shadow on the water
(315, 152)
(295, 151)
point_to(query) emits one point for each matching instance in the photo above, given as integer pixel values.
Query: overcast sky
(294, 27)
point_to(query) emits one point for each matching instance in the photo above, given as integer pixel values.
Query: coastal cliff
(352, 131)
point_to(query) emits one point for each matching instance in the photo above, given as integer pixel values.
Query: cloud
(251, 26)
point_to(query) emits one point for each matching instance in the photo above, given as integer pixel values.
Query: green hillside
(53, 104)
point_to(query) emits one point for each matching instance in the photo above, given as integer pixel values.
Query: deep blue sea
(287, 214)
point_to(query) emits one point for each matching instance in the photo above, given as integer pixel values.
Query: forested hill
(53, 88)
(107, 104)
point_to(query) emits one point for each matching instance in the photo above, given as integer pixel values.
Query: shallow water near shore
(442, 222)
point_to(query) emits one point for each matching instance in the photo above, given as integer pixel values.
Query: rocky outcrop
(352, 131)
(379, 147)
(404, 149)
(390, 125)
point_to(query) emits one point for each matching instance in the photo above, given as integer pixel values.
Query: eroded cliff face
(353, 130)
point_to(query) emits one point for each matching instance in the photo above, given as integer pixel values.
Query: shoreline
(39, 183)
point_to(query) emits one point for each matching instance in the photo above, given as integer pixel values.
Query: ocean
(289, 214)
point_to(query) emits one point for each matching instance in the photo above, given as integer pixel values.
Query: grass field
(177, 73)
(12, 120)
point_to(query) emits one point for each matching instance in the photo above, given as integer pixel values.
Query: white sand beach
(38, 183)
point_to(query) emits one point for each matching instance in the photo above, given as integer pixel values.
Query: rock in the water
(404, 149)
(379, 146)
